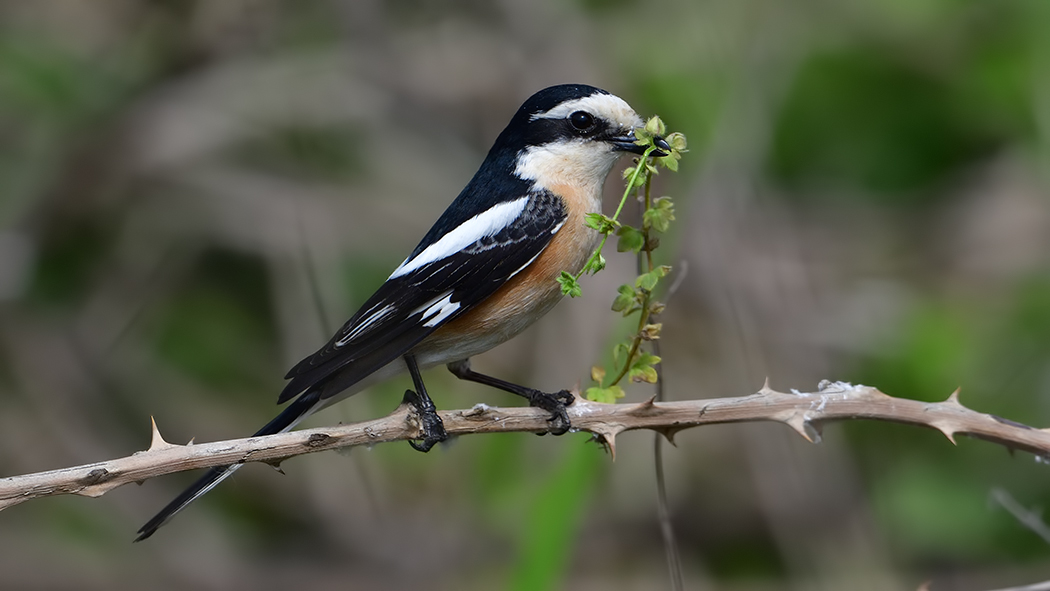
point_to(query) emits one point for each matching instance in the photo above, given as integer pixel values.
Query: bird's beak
(625, 143)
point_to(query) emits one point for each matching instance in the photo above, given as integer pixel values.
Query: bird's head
(570, 134)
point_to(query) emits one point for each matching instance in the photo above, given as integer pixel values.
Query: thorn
(669, 433)
(276, 466)
(948, 431)
(954, 398)
(809, 430)
(606, 437)
(644, 408)
(191, 441)
(157, 442)
(765, 388)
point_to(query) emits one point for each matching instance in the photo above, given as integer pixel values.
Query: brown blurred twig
(804, 412)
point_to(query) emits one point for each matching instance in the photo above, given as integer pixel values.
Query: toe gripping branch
(430, 425)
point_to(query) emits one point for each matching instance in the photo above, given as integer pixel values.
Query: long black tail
(288, 418)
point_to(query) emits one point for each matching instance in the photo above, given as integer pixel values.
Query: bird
(484, 272)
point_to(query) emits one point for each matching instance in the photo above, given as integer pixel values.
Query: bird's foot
(555, 404)
(431, 428)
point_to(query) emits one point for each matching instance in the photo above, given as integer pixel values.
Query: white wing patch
(484, 224)
(437, 309)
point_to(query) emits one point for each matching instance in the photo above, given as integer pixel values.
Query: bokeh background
(195, 195)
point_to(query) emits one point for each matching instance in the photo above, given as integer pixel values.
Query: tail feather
(288, 418)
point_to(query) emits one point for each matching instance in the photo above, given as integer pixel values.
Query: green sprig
(632, 362)
(606, 225)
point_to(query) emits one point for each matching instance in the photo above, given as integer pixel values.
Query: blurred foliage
(67, 265)
(218, 328)
(303, 152)
(864, 119)
(193, 194)
(551, 520)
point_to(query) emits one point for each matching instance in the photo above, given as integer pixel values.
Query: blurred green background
(195, 195)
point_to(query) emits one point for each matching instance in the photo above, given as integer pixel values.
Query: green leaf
(625, 297)
(631, 239)
(642, 369)
(677, 141)
(639, 182)
(606, 395)
(597, 263)
(648, 281)
(660, 215)
(569, 285)
(601, 222)
(655, 126)
(644, 374)
(646, 359)
(620, 350)
(628, 300)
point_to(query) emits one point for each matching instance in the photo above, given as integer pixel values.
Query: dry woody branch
(805, 412)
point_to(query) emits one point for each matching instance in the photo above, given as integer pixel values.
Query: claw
(430, 425)
(555, 404)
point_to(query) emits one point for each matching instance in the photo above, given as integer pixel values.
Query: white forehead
(606, 106)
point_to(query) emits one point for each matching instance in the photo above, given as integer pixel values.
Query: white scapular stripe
(437, 309)
(440, 311)
(430, 304)
(486, 223)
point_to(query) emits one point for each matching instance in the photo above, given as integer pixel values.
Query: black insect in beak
(625, 143)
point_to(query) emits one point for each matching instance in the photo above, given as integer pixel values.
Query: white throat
(576, 163)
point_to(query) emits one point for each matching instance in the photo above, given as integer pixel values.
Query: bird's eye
(581, 120)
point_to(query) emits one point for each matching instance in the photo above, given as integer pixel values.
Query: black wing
(407, 308)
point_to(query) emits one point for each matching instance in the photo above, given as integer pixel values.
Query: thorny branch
(804, 412)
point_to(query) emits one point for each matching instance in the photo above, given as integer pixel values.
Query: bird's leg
(433, 430)
(553, 403)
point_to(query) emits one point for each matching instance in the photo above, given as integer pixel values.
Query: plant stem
(627, 192)
(643, 314)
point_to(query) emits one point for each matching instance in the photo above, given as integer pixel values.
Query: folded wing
(441, 281)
